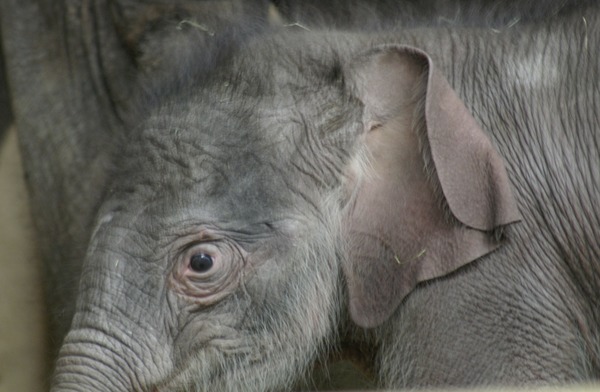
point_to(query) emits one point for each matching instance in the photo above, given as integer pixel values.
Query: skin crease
(281, 117)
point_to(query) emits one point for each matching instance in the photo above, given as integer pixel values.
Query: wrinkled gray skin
(378, 14)
(250, 161)
(79, 72)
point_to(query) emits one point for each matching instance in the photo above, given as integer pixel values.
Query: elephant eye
(201, 262)
(207, 270)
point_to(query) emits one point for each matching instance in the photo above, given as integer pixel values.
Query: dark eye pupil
(201, 262)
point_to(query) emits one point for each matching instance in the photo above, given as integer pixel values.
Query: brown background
(22, 354)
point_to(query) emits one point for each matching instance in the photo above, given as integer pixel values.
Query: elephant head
(257, 204)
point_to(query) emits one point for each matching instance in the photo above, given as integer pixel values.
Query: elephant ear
(435, 192)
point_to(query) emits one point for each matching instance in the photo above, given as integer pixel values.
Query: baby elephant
(225, 217)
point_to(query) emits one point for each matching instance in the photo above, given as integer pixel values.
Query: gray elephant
(74, 75)
(421, 202)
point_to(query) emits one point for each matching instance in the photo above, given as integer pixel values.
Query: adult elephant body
(431, 208)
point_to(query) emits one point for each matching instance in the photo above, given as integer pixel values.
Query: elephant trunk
(89, 368)
(89, 360)
(115, 343)
(92, 360)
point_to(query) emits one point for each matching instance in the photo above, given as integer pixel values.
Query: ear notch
(437, 190)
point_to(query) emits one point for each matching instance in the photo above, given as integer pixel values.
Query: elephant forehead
(185, 171)
(237, 156)
(202, 146)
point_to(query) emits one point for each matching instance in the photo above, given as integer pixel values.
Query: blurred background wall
(22, 324)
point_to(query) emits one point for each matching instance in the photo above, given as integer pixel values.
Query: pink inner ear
(397, 231)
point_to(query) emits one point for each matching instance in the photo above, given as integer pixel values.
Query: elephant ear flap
(435, 193)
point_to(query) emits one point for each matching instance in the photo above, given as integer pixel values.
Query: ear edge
(495, 188)
(499, 194)
(482, 237)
